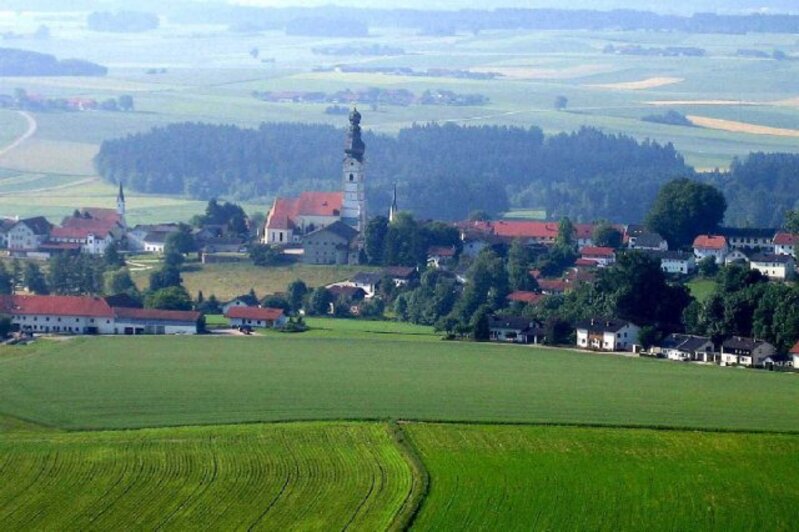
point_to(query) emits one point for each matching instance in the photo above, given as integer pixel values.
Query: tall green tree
(606, 235)
(683, 209)
(565, 233)
(374, 239)
(295, 293)
(519, 267)
(170, 298)
(34, 279)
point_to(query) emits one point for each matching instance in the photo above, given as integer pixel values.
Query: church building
(290, 219)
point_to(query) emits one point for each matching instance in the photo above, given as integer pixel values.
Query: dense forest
(441, 171)
(15, 62)
(760, 188)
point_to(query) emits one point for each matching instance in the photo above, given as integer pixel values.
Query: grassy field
(144, 382)
(701, 289)
(229, 280)
(561, 478)
(310, 476)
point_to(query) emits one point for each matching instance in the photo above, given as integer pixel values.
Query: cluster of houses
(615, 335)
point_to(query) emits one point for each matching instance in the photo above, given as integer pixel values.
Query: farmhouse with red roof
(711, 246)
(785, 243)
(256, 317)
(601, 256)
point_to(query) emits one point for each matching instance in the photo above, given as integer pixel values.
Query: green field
(151, 381)
(229, 280)
(701, 289)
(267, 477)
(561, 478)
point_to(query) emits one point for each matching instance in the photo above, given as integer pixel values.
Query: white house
(602, 334)
(736, 256)
(711, 246)
(749, 238)
(794, 352)
(688, 348)
(785, 244)
(778, 267)
(515, 329)
(740, 351)
(676, 262)
(245, 300)
(602, 256)
(647, 241)
(256, 317)
(150, 238)
(440, 256)
(29, 234)
(133, 321)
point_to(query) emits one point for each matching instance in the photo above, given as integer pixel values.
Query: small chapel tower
(394, 209)
(354, 201)
(121, 202)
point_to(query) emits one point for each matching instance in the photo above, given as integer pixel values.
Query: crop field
(564, 478)
(168, 381)
(228, 280)
(311, 476)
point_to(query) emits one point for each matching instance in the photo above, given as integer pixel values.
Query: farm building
(93, 315)
(265, 317)
(711, 246)
(785, 244)
(246, 300)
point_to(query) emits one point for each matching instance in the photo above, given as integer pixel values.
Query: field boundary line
(31, 131)
(420, 485)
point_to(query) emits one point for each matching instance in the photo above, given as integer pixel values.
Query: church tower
(353, 211)
(121, 202)
(393, 210)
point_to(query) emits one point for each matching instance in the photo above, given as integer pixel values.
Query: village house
(603, 334)
(529, 232)
(526, 297)
(740, 351)
(5, 226)
(737, 256)
(602, 256)
(688, 348)
(347, 293)
(368, 281)
(93, 315)
(552, 287)
(778, 361)
(28, 234)
(711, 246)
(674, 262)
(749, 238)
(332, 244)
(150, 238)
(785, 244)
(246, 300)
(515, 329)
(648, 242)
(777, 267)
(401, 275)
(263, 317)
(439, 257)
(794, 352)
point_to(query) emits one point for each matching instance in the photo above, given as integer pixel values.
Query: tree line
(442, 171)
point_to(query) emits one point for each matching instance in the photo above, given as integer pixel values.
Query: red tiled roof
(93, 307)
(596, 251)
(795, 349)
(156, 314)
(525, 297)
(786, 239)
(107, 215)
(552, 285)
(585, 262)
(441, 251)
(285, 210)
(255, 313)
(710, 242)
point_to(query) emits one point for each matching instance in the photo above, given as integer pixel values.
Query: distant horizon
(686, 8)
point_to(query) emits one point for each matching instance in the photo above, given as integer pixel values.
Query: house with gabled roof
(333, 244)
(28, 234)
(263, 317)
(777, 267)
(607, 334)
(524, 296)
(794, 353)
(688, 348)
(515, 329)
(648, 241)
(742, 351)
(749, 238)
(785, 243)
(711, 246)
(602, 256)
(245, 300)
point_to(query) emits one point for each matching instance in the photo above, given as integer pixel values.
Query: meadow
(566, 478)
(310, 476)
(151, 381)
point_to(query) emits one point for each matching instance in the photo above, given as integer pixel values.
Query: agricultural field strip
(319, 476)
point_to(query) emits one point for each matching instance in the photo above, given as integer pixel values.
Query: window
(352, 177)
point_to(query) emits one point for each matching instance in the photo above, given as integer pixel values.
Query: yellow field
(649, 83)
(741, 127)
